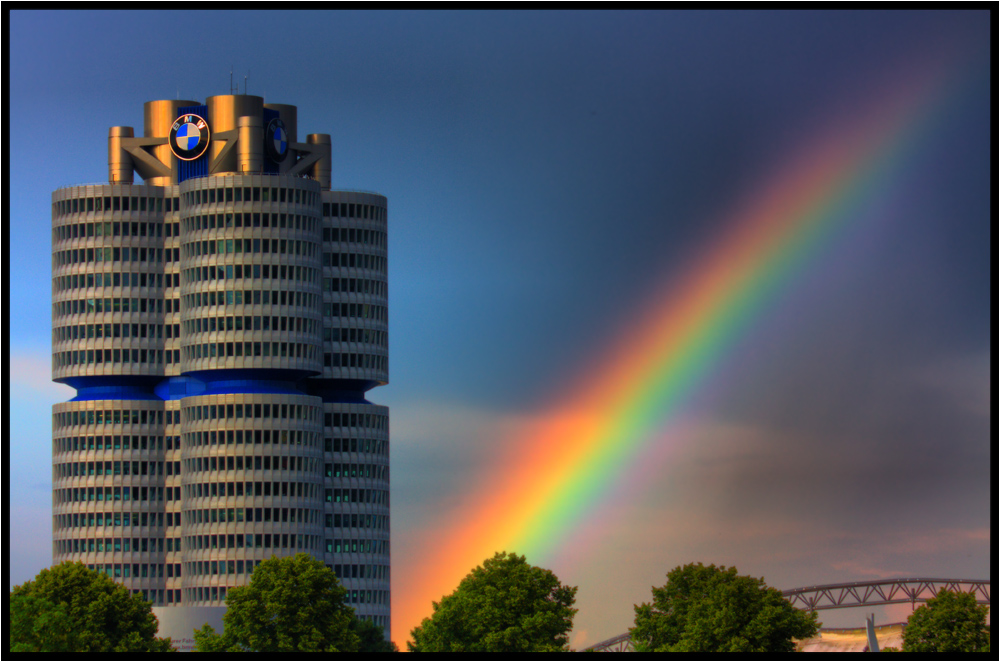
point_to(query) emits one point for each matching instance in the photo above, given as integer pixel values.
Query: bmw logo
(276, 141)
(189, 137)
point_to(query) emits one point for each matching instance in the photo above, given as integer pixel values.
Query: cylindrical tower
(110, 487)
(250, 275)
(253, 486)
(355, 360)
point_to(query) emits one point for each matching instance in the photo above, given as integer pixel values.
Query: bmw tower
(221, 323)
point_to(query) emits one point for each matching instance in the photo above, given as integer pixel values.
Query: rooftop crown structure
(221, 323)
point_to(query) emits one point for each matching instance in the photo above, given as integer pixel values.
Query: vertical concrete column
(120, 168)
(320, 171)
(251, 145)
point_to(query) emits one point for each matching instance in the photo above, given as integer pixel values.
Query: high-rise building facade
(222, 323)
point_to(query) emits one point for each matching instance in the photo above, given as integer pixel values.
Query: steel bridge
(853, 594)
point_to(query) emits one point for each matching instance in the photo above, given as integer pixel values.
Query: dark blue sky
(545, 172)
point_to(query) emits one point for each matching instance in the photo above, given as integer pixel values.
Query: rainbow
(555, 473)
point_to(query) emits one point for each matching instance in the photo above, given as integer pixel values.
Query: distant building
(221, 323)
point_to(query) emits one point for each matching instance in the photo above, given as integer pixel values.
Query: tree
(292, 604)
(371, 637)
(950, 622)
(68, 608)
(504, 605)
(714, 610)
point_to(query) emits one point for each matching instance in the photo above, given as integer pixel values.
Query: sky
(561, 185)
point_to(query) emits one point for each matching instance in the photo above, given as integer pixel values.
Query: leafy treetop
(504, 605)
(712, 609)
(292, 604)
(69, 608)
(950, 622)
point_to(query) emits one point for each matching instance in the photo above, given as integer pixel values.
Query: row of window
(251, 488)
(251, 297)
(250, 323)
(361, 571)
(154, 205)
(250, 194)
(357, 521)
(299, 247)
(228, 247)
(107, 417)
(219, 221)
(108, 305)
(205, 222)
(354, 210)
(377, 288)
(137, 545)
(109, 254)
(115, 493)
(219, 489)
(356, 260)
(348, 360)
(355, 236)
(116, 518)
(115, 443)
(353, 334)
(195, 413)
(341, 445)
(251, 463)
(224, 515)
(117, 468)
(302, 541)
(366, 311)
(221, 437)
(110, 279)
(357, 495)
(225, 567)
(353, 546)
(109, 330)
(122, 356)
(353, 420)
(282, 350)
(230, 411)
(256, 271)
(110, 229)
(376, 471)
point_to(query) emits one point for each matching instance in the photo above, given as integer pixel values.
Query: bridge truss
(882, 592)
(853, 594)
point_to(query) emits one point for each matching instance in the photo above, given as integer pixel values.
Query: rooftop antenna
(245, 81)
(231, 79)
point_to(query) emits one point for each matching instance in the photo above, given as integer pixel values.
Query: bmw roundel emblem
(189, 137)
(276, 140)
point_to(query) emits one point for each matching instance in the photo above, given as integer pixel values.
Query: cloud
(31, 375)
(963, 381)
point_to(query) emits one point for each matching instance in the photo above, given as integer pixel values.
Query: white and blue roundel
(189, 137)
(276, 140)
(280, 140)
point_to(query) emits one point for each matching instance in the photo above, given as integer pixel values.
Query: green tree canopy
(68, 608)
(714, 610)
(504, 605)
(292, 604)
(371, 637)
(950, 622)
